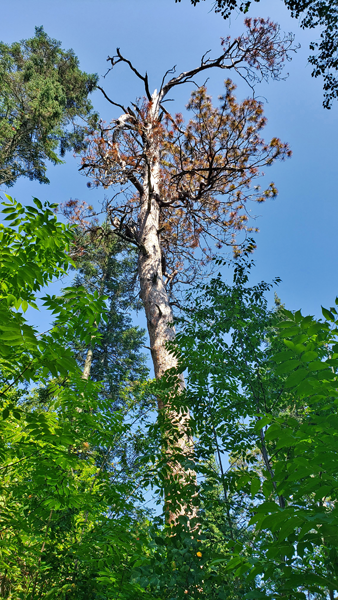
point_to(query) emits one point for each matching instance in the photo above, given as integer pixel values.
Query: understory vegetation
(78, 454)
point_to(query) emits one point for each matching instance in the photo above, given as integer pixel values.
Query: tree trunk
(153, 292)
(88, 364)
(159, 313)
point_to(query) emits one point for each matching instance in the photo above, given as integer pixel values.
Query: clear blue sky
(298, 230)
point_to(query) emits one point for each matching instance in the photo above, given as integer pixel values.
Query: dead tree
(190, 182)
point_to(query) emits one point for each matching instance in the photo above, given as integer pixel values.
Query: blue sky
(298, 230)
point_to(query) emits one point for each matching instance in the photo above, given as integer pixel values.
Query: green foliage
(33, 253)
(106, 265)
(42, 92)
(261, 387)
(305, 462)
(67, 513)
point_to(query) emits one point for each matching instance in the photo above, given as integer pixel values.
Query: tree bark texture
(158, 310)
(153, 292)
(88, 364)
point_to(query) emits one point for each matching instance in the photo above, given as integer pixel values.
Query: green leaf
(255, 486)
(298, 316)
(296, 377)
(8, 210)
(262, 422)
(242, 481)
(282, 356)
(37, 203)
(273, 432)
(309, 356)
(288, 527)
(285, 439)
(288, 366)
(287, 324)
(317, 366)
(327, 314)
(24, 305)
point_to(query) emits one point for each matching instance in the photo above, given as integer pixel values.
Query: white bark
(153, 292)
(88, 364)
(156, 302)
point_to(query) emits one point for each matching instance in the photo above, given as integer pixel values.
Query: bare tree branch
(111, 101)
(115, 60)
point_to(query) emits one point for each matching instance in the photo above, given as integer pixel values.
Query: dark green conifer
(42, 93)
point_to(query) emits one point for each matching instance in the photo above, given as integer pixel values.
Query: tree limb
(121, 58)
(109, 100)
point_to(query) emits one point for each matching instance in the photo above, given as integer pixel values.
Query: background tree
(312, 13)
(107, 265)
(42, 94)
(191, 182)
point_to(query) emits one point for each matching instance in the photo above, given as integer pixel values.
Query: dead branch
(119, 58)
